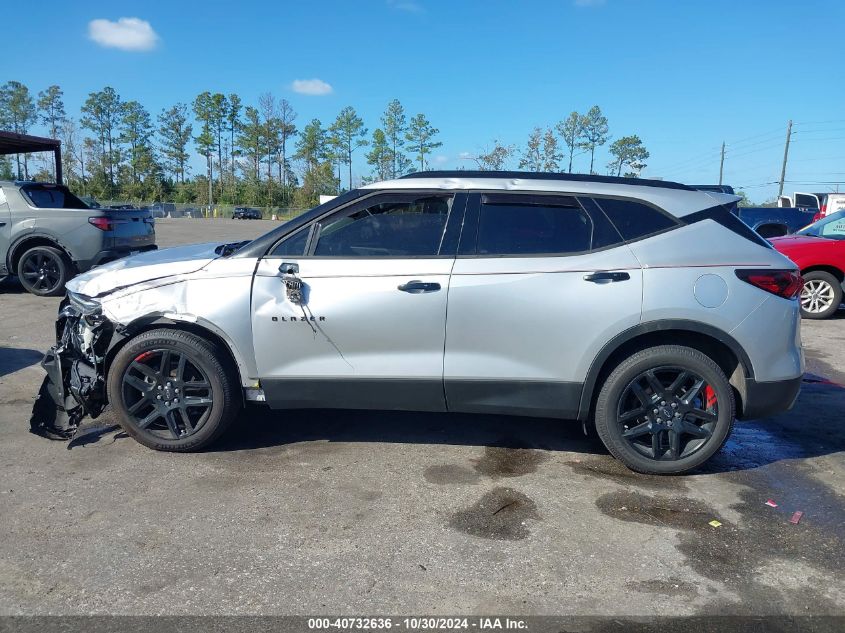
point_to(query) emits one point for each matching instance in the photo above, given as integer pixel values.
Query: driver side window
(412, 227)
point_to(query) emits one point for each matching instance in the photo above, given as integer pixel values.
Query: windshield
(831, 227)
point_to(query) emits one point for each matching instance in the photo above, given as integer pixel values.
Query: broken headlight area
(74, 386)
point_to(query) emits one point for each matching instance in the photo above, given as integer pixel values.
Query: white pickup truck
(825, 203)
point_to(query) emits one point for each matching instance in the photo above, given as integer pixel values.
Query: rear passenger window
(633, 219)
(532, 228)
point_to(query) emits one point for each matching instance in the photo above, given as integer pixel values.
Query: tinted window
(410, 228)
(633, 219)
(52, 197)
(533, 229)
(293, 245)
(806, 200)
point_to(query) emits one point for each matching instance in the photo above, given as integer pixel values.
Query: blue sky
(684, 76)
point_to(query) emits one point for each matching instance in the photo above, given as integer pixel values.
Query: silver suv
(643, 307)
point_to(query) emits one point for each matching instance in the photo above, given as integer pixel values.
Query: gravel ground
(376, 512)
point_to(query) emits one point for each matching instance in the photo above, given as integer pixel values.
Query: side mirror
(288, 268)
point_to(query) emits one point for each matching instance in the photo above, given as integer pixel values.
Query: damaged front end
(75, 383)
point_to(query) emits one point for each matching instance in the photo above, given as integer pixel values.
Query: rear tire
(665, 410)
(821, 295)
(44, 271)
(173, 390)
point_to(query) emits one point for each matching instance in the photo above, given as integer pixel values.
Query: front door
(537, 289)
(367, 327)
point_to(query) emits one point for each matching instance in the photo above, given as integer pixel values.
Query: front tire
(44, 271)
(173, 390)
(665, 410)
(820, 296)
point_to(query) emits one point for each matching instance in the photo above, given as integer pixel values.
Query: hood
(144, 267)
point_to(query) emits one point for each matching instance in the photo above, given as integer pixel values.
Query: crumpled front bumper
(74, 386)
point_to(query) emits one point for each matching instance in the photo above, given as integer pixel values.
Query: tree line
(257, 154)
(554, 148)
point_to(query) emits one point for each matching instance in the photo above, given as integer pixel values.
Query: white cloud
(314, 87)
(589, 3)
(466, 155)
(128, 34)
(405, 5)
(440, 159)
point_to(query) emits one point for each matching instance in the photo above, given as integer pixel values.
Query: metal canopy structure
(13, 143)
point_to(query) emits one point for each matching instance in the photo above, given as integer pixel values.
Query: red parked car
(819, 251)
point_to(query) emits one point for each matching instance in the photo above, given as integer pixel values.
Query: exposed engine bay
(74, 386)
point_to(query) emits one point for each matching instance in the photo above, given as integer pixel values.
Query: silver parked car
(47, 235)
(645, 307)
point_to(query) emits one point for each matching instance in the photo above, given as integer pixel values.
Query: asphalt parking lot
(375, 512)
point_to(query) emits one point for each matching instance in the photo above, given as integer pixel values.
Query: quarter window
(408, 228)
(293, 245)
(528, 228)
(633, 219)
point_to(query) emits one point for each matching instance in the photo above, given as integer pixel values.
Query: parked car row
(812, 234)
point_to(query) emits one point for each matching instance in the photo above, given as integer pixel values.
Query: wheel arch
(31, 240)
(202, 329)
(716, 343)
(772, 229)
(825, 268)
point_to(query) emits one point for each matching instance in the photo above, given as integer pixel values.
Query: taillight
(818, 216)
(102, 223)
(823, 210)
(783, 283)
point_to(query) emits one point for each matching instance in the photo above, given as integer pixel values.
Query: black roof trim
(533, 175)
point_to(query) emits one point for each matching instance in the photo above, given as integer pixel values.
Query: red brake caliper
(709, 397)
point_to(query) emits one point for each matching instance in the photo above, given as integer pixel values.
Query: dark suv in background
(246, 213)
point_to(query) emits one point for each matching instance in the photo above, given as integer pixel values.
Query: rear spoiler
(725, 199)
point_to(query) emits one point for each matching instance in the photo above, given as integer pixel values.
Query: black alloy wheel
(167, 394)
(668, 413)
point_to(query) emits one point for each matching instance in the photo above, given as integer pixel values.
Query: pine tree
(175, 133)
(594, 133)
(420, 137)
(102, 113)
(395, 126)
(348, 134)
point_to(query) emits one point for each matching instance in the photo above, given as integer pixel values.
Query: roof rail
(533, 175)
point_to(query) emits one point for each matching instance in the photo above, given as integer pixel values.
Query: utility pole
(210, 185)
(785, 156)
(722, 163)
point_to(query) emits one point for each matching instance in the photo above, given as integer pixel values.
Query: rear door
(540, 284)
(369, 330)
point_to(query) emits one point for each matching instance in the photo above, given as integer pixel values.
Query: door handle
(416, 287)
(606, 277)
